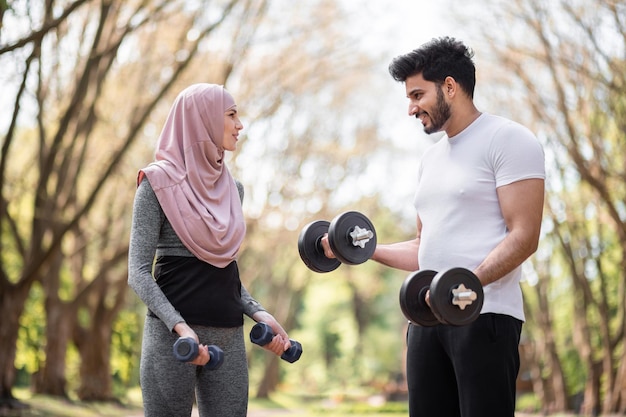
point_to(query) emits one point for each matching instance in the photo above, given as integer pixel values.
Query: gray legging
(168, 385)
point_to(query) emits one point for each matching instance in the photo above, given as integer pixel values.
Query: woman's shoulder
(145, 194)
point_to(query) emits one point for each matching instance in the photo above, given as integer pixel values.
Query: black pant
(467, 371)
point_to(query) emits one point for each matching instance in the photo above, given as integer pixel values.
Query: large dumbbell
(456, 297)
(351, 237)
(186, 349)
(261, 334)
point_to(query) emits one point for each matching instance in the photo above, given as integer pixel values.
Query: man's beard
(440, 115)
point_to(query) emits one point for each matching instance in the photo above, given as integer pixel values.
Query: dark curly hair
(436, 60)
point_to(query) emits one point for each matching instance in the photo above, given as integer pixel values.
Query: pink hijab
(193, 185)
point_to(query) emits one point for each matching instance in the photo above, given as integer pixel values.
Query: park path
(251, 413)
(293, 413)
(262, 413)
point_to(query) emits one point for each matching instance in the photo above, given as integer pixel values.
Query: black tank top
(202, 293)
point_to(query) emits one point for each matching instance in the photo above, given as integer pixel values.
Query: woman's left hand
(280, 343)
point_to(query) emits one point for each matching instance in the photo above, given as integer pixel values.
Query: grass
(304, 406)
(279, 405)
(46, 406)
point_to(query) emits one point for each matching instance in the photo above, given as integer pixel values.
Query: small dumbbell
(186, 349)
(261, 334)
(456, 297)
(351, 237)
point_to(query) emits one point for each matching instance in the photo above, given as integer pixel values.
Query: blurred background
(85, 87)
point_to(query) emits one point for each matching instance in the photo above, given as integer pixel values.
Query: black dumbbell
(186, 349)
(456, 297)
(351, 237)
(261, 334)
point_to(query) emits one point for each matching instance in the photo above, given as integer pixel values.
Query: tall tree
(309, 131)
(566, 60)
(67, 86)
(95, 80)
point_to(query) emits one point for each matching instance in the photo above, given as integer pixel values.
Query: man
(479, 202)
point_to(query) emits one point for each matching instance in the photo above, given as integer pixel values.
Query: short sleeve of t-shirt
(516, 155)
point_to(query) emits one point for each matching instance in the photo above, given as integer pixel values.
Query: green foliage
(126, 346)
(72, 370)
(528, 403)
(31, 338)
(348, 321)
(336, 356)
(573, 368)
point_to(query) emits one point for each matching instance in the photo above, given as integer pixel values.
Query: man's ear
(450, 87)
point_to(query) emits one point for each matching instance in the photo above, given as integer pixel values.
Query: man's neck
(461, 118)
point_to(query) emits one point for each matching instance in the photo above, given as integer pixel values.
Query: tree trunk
(539, 384)
(361, 317)
(270, 379)
(558, 400)
(284, 296)
(547, 376)
(557, 378)
(620, 388)
(95, 371)
(51, 379)
(94, 342)
(591, 400)
(12, 301)
(591, 397)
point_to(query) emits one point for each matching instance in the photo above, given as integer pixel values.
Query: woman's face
(232, 126)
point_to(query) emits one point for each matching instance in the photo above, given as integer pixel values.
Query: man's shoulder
(501, 123)
(501, 131)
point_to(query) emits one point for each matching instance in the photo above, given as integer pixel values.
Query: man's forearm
(504, 258)
(401, 255)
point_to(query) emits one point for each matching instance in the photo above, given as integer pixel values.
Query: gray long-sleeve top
(152, 235)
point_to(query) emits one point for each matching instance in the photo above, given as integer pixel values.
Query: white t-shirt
(457, 203)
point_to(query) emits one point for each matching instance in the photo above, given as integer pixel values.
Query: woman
(187, 212)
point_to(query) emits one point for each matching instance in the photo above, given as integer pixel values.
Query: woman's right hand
(183, 330)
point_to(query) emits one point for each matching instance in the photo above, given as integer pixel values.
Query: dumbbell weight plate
(310, 247)
(413, 301)
(217, 358)
(185, 349)
(342, 243)
(441, 296)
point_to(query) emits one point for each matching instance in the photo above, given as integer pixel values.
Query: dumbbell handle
(463, 296)
(262, 334)
(361, 236)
